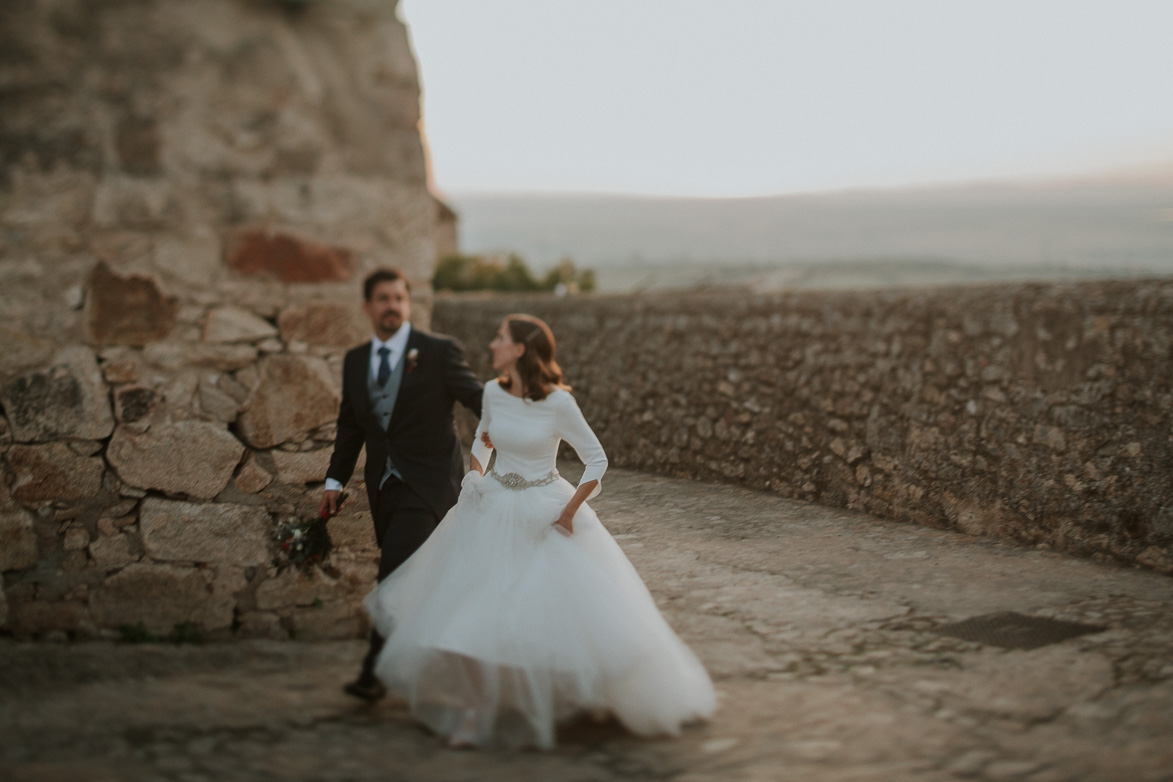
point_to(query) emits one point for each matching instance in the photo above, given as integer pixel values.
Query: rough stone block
(294, 587)
(191, 260)
(40, 617)
(106, 526)
(252, 477)
(21, 352)
(140, 204)
(18, 541)
(84, 447)
(137, 142)
(113, 552)
(287, 257)
(68, 399)
(221, 533)
(73, 561)
(177, 355)
(110, 523)
(218, 612)
(159, 596)
(53, 472)
(119, 245)
(126, 311)
(233, 324)
(352, 530)
(329, 621)
(1156, 558)
(302, 467)
(195, 458)
(121, 371)
(333, 324)
(261, 624)
(134, 403)
(75, 539)
(357, 570)
(293, 396)
(233, 388)
(216, 403)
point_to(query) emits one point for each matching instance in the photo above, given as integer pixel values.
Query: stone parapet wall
(1038, 413)
(190, 194)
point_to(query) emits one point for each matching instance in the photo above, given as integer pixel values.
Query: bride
(521, 610)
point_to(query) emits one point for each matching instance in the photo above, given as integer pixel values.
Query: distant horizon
(1158, 174)
(1120, 223)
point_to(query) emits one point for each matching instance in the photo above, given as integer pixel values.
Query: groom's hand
(329, 506)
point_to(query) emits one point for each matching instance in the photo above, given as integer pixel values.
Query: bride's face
(505, 351)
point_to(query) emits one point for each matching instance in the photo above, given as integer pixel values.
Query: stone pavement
(815, 623)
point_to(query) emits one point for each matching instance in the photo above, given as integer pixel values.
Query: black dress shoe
(366, 688)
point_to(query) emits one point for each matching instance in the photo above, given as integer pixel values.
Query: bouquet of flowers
(303, 542)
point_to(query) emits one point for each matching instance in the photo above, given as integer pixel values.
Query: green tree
(516, 276)
(451, 273)
(480, 273)
(566, 274)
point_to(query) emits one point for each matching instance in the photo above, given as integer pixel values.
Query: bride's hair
(540, 373)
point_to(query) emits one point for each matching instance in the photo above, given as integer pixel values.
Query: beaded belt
(512, 480)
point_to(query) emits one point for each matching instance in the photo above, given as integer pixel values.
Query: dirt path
(816, 624)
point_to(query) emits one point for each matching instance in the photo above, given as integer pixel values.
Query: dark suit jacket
(421, 436)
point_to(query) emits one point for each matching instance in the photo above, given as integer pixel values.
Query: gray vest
(382, 403)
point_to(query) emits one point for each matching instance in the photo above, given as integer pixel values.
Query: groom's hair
(386, 274)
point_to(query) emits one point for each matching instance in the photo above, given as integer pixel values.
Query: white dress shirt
(397, 344)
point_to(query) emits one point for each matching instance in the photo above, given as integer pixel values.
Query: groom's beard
(391, 321)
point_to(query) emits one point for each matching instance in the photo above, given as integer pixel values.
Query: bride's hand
(564, 525)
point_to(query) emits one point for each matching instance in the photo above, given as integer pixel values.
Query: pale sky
(755, 97)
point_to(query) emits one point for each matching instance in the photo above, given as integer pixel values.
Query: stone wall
(1038, 413)
(190, 193)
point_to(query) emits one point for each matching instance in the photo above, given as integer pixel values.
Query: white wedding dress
(499, 626)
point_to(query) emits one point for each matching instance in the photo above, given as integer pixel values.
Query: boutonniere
(413, 356)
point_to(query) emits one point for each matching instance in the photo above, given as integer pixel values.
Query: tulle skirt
(500, 621)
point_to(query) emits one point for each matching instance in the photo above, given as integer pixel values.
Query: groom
(398, 392)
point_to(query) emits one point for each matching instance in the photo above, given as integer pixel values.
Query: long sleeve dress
(500, 615)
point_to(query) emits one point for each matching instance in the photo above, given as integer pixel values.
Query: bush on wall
(489, 273)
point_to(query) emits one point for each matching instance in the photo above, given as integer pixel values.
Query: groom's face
(388, 307)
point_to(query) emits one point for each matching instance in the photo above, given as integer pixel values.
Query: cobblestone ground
(815, 623)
